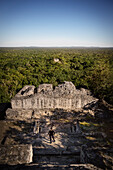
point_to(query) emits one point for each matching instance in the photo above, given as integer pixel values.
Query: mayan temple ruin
(25, 143)
(29, 101)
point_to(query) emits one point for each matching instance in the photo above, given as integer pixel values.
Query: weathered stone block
(45, 88)
(26, 91)
(15, 154)
(18, 114)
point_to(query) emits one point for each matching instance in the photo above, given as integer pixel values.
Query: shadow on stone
(3, 108)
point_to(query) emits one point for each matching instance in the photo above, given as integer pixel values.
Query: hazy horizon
(56, 23)
(56, 46)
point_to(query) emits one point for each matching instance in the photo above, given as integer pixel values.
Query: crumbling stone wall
(64, 96)
(16, 154)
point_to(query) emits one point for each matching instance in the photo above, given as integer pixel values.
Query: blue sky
(56, 23)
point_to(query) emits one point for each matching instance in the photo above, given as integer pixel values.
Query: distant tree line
(91, 68)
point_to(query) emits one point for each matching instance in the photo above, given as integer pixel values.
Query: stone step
(35, 166)
(71, 150)
(56, 159)
(56, 156)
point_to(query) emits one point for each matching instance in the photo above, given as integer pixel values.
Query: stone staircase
(55, 157)
(64, 151)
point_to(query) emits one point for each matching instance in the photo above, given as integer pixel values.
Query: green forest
(90, 68)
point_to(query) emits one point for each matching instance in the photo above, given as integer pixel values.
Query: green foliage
(85, 67)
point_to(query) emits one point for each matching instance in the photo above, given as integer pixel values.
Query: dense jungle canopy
(90, 68)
